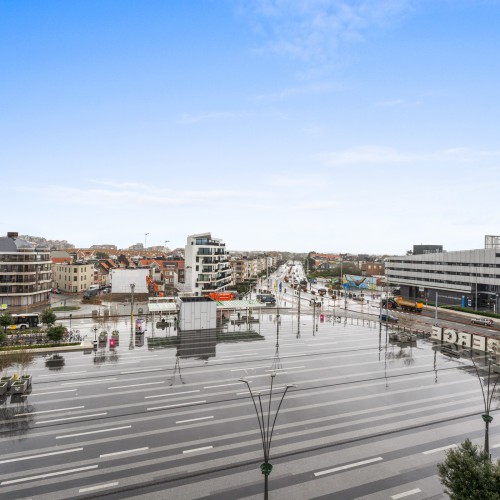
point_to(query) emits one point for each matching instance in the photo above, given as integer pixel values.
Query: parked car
(388, 317)
(482, 321)
(56, 290)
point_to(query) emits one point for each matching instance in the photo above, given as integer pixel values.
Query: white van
(93, 287)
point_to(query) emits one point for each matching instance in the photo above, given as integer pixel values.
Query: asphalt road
(165, 416)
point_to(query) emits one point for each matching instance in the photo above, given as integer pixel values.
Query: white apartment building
(207, 266)
(25, 273)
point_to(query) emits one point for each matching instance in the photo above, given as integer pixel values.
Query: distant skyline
(330, 125)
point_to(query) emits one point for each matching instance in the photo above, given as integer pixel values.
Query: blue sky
(327, 125)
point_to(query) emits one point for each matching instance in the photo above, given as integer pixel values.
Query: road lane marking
(52, 392)
(88, 383)
(171, 394)
(348, 466)
(39, 456)
(280, 370)
(198, 449)
(123, 452)
(50, 411)
(50, 474)
(63, 373)
(70, 418)
(435, 450)
(248, 368)
(94, 432)
(260, 390)
(174, 406)
(239, 355)
(142, 371)
(221, 385)
(135, 385)
(406, 494)
(495, 446)
(97, 487)
(193, 420)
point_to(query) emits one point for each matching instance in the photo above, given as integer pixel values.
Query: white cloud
(318, 205)
(314, 29)
(384, 155)
(140, 195)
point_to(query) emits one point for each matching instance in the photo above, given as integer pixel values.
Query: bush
(56, 333)
(48, 317)
(467, 473)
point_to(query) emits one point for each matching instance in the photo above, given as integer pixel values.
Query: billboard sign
(360, 282)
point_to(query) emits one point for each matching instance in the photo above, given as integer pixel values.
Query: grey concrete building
(468, 278)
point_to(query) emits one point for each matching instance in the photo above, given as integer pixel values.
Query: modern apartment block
(207, 266)
(25, 273)
(468, 278)
(74, 278)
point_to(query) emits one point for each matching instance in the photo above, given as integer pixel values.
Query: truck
(404, 304)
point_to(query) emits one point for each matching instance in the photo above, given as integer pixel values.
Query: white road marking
(171, 394)
(70, 418)
(174, 406)
(86, 382)
(495, 446)
(50, 411)
(94, 432)
(198, 449)
(260, 390)
(435, 450)
(135, 385)
(279, 370)
(98, 487)
(142, 371)
(123, 452)
(348, 466)
(221, 385)
(52, 392)
(406, 494)
(248, 368)
(193, 420)
(239, 355)
(63, 373)
(50, 474)
(39, 456)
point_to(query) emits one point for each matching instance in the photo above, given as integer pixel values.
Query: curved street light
(265, 427)
(487, 399)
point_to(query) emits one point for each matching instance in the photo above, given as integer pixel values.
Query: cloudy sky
(327, 125)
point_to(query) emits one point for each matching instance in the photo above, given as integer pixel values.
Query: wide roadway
(369, 418)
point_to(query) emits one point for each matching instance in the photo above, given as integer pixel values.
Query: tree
(48, 317)
(56, 333)
(5, 321)
(101, 255)
(467, 473)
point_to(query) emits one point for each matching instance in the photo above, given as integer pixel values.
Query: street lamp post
(95, 333)
(487, 399)
(266, 430)
(70, 316)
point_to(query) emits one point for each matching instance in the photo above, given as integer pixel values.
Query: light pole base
(266, 468)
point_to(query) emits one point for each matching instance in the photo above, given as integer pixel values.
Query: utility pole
(436, 310)
(132, 289)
